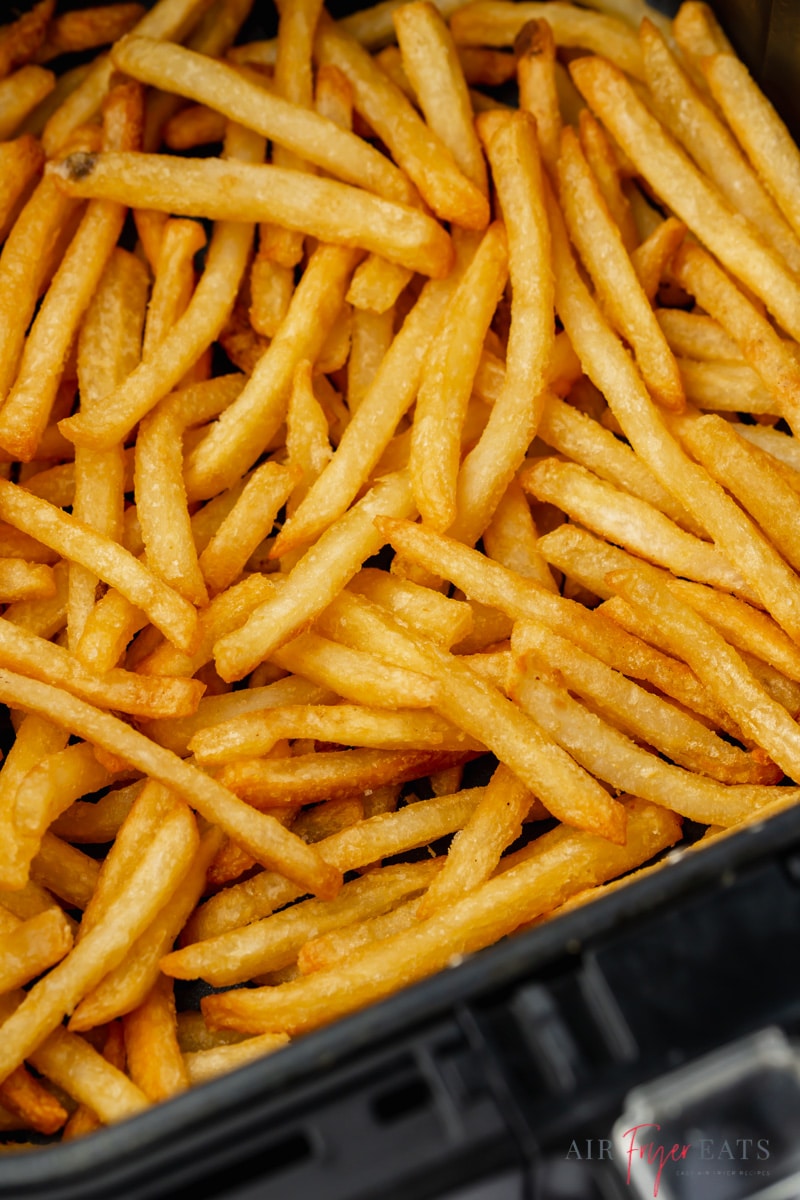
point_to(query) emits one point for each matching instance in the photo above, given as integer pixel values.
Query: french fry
(34, 1105)
(613, 756)
(262, 835)
(273, 942)
(498, 22)
(126, 986)
(23, 38)
(158, 871)
(166, 19)
(438, 617)
(20, 93)
(717, 664)
(21, 162)
(380, 836)
(768, 354)
(324, 208)
(500, 904)
(651, 258)
(481, 711)
(84, 1120)
(512, 150)
(208, 309)
(334, 775)
(603, 160)
(447, 378)
(628, 521)
(64, 870)
(432, 64)
(109, 346)
(606, 362)
(245, 428)
(535, 52)
(30, 949)
(644, 716)
(337, 556)
(595, 234)
(155, 1062)
(381, 408)
(415, 146)
(475, 851)
(308, 135)
(328, 948)
(680, 184)
(25, 414)
(246, 525)
(738, 465)
(687, 115)
(255, 734)
(759, 129)
(82, 544)
(202, 1065)
(87, 28)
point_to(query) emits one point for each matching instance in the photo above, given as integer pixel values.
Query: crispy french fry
(447, 379)
(687, 115)
(759, 129)
(432, 64)
(273, 942)
(415, 147)
(27, 951)
(557, 865)
(25, 414)
(512, 150)
(155, 1062)
(202, 1065)
(595, 233)
(682, 186)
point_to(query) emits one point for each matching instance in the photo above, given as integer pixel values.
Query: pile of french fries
(389, 429)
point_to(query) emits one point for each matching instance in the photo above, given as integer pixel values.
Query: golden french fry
(155, 1062)
(595, 233)
(701, 645)
(247, 524)
(475, 851)
(644, 716)
(244, 430)
(498, 907)
(512, 150)
(266, 839)
(498, 22)
(432, 64)
(371, 428)
(681, 185)
(380, 836)
(310, 136)
(768, 354)
(22, 39)
(87, 28)
(693, 121)
(202, 1065)
(414, 145)
(20, 93)
(126, 986)
(610, 368)
(616, 758)
(628, 521)
(274, 942)
(25, 414)
(314, 581)
(759, 129)
(535, 51)
(27, 951)
(21, 163)
(447, 378)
